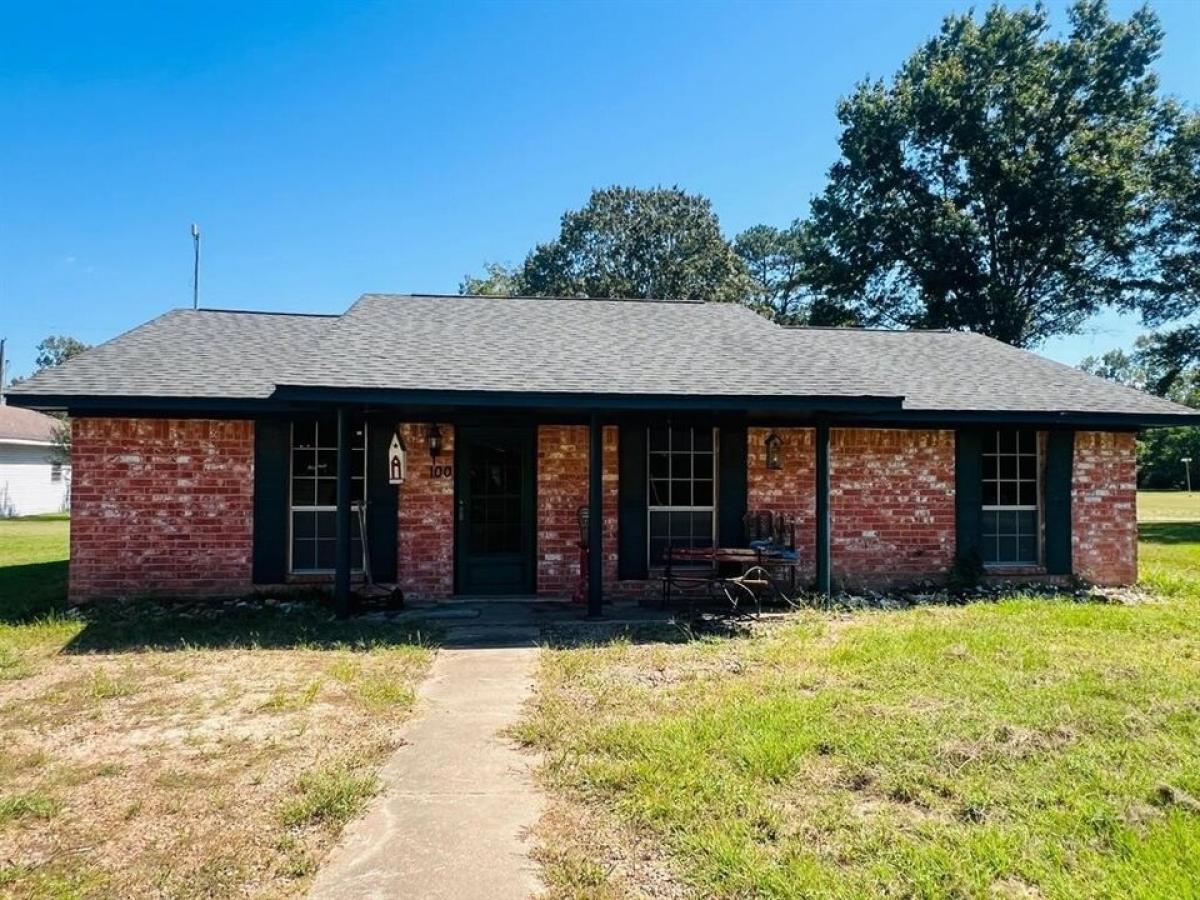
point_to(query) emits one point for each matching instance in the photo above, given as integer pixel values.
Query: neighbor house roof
(25, 426)
(445, 350)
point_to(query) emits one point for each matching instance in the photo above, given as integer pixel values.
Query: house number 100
(436, 471)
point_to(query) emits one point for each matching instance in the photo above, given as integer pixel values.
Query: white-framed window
(681, 488)
(1011, 497)
(312, 547)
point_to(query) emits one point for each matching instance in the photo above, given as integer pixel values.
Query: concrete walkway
(458, 799)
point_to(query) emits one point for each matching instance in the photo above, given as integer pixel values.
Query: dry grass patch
(152, 757)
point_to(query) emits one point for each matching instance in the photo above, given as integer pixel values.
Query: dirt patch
(165, 772)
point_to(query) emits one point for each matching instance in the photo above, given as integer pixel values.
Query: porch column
(822, 487)
(595, 517)
(341, 577)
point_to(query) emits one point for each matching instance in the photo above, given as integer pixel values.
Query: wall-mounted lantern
(433, 437)
(774, 448)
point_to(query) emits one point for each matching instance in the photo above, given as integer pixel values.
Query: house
(216, 451)
(33, 477)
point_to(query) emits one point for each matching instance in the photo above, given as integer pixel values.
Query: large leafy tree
(1160, 450)
(1008, 182)
(660, 243)
(56, 350)
(778, 263)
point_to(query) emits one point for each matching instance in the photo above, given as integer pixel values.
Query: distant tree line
(1005, 181)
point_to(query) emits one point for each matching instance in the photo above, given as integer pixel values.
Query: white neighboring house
(32, 479)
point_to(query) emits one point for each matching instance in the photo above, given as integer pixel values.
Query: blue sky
(329, 149)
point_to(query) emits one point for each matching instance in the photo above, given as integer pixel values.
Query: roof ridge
(260, 312)
(426, 296)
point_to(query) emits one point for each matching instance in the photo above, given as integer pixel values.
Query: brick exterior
(1104, 507)
(165, 506)
(160, 506)
(562, 471)
(891, 505)
(425, 530)
(790, 489)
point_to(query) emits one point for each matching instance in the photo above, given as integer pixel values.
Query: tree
(778, 263)
(56, 350)
(630, 243)
(497, 281)
(1160, 450)
(1009, 183)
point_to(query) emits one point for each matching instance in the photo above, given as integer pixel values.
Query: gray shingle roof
(954, 370)
(26, 425)
(570, 346)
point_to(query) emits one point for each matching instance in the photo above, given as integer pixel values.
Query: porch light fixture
(433, 437)
(774, 445)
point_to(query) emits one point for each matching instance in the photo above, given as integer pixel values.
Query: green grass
(1168, 506)
(1026, 747)
(33, 566)
(332, 796)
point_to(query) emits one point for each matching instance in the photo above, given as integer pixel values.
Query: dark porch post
(341, 577)
(595, 517)
(823, 558)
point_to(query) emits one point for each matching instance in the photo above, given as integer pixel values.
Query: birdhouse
(397, 460)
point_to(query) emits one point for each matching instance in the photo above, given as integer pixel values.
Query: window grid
(1011, 498)
(312, 495)
(681, 489)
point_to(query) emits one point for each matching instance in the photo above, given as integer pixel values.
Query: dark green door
(495, 513)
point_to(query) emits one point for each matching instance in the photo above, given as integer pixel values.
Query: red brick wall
(160, 506)
(425, 530)
(1104, 507)
(562, 470)
(891, 504)
(790, 489)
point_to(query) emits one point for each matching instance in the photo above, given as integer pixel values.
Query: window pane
(326, 524)
(1006, 551)
(702, 529)
(702, 439)
(702, 465)
(1008, 493)
(326, 554)
(1008, 466)
(660, 493)
(304, 492)
(702, 493)
(326, 492)
(304, 525)
(659, 465)
(990, 467)
(681, 438)
(991, 493)
(659, 439)
(1006, 441)
(990, 523)
(659, 522)
(681, 465)
(304, 433)
(1027, 495)
(304, 462)
(681, 493)
(1027, 549)
(304, 555)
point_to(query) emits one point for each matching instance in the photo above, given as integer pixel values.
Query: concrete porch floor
(532, 621)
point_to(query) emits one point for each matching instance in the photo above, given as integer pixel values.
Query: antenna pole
(2, 340)
(196, 267)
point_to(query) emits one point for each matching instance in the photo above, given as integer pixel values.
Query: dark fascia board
(867, 411)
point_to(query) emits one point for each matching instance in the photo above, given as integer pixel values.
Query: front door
(495, 515)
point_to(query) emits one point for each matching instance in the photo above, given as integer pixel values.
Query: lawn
(150, 754)
(1030, 747)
